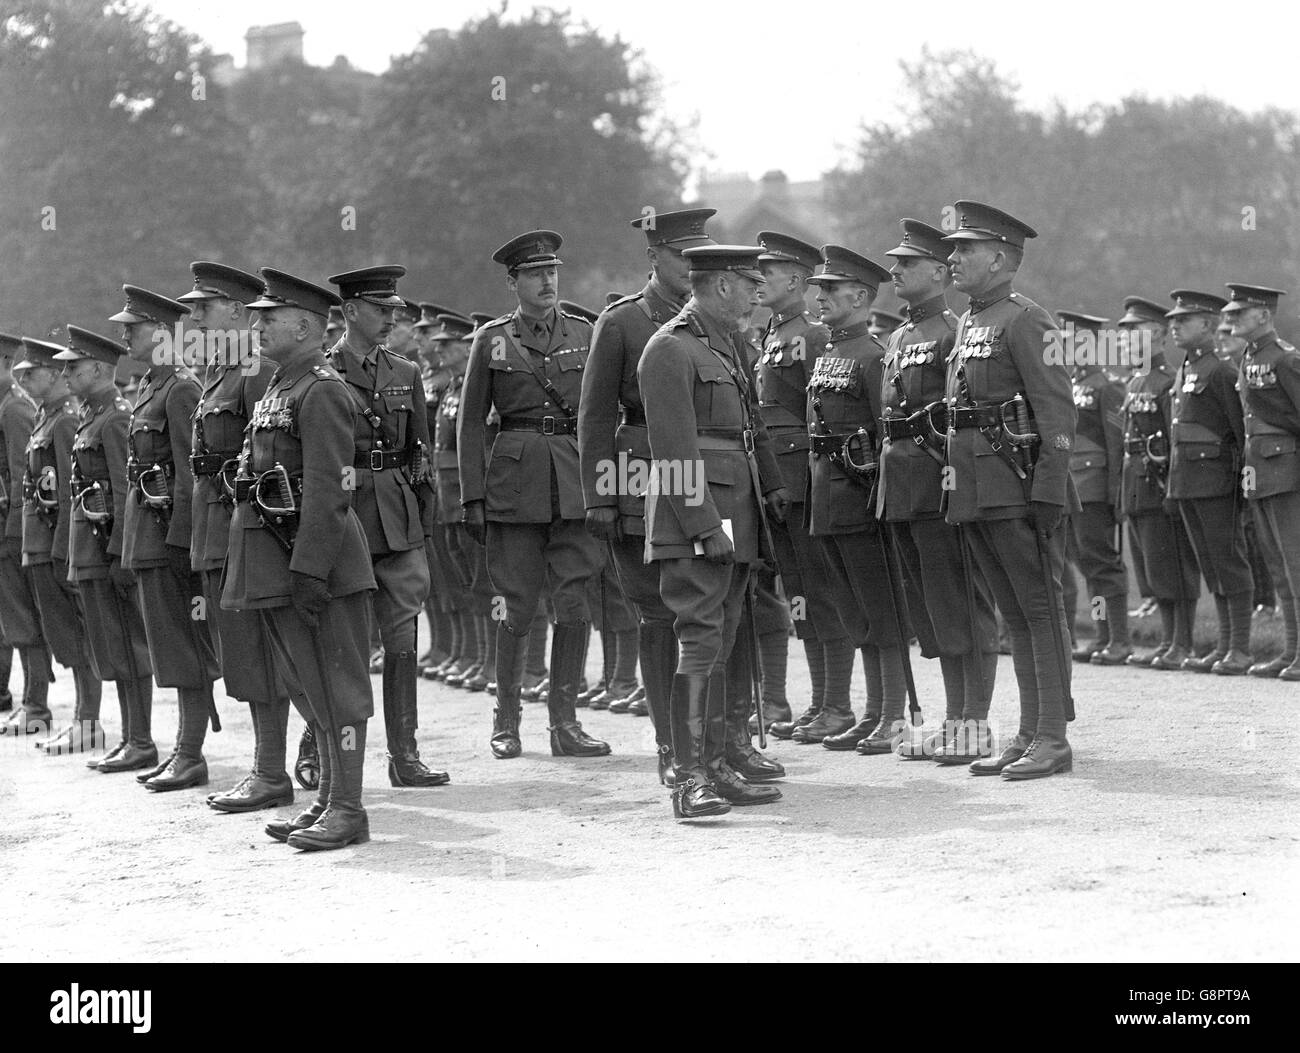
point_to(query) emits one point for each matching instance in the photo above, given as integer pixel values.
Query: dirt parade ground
(1173, 839)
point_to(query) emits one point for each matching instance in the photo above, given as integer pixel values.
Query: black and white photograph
(513, 482)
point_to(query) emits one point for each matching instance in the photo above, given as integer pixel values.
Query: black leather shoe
(81, 736)
(180, 774)
(156, 770)
(280, 829)
(638, 707)
(1146, 658)
(849, 739)
(751, 764)
(695, 800)
(132, 758)
(884, 736)
(254, 793)
(620, 705)
(1269, 670)
(1011, 753)
(112, 754)
(306, 769)
(827, 722)
(1234, 663)
(735, 790)
(1045, 756)
(1171, 658)
(602, 699)
(337, 827)
(1112, 654)
(505, 733)
(1085, 651)
(407, 771)
(1200, 665)
(478, 682)
(24, 722)
(967, 741)
(783, 729)
(569, 740)
(1291, 672)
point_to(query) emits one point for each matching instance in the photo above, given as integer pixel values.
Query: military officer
(1002, 388)
(844, 409)
(699, 407)
(392, 498)
(525, 500)
(1204, 461)
(115, 633)
(1159, 540)
(791, 345)
(20, 623)
(1096, 464)
(46, 510)
(950, 603)
(156, 534)
(1270, 397)
(298, 552)
(884, 322)
(234, 380)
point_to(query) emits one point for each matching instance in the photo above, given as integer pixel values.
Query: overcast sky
(797, 79)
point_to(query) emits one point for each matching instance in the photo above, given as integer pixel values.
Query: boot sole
(1023, 777)
(313, 846)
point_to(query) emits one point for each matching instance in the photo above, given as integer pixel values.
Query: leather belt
(827, 443)
(633, 417)
(896, 428)
(134, 470)
(708, 438)
(1138, 445)
(977, 416)
(545, 425)
(381, 460)
(208, 463)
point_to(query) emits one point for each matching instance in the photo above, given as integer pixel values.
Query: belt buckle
(376, 460)
(548, 425)
(747, 437)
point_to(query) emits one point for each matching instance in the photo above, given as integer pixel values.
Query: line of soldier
(896, 491)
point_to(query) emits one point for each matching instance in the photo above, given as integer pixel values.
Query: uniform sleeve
(598, 408)
(1288, 377)
(181, 402)
(62, 436)
(1111, 397)
(115, 435)
(666, 376)
(420, 431)
(326, 415)
(19, 419)
(471, 422)
(1047, 387)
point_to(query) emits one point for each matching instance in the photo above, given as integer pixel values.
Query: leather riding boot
(1011, 753)
(658, 655)
(280, 829)
(140, 751)
(816, 655)
(307, 766)
(568, 645)
(727, 782)
(836, 714)
(401, 721)
(344, 820)
(511, 654)
(1047, 754)
(1118, 649)
(739, 751)
(6, 670)
(693, 794)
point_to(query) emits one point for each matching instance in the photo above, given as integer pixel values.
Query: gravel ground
(1174, 839)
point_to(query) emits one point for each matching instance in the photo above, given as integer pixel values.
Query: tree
(119, 159)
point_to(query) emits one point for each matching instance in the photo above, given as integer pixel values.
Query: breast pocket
(717, 398)
(149, 442)
(397, 419)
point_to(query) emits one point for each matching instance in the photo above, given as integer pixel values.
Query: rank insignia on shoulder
(322, 372)
(1061, 442)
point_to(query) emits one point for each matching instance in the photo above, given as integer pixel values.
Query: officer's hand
(476, 522)
(719, 549)
(778, 503)
(179, 560)
(604, 524)
(1044, 516)
(123, 580)
(309, 597)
